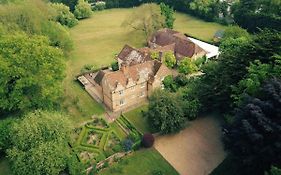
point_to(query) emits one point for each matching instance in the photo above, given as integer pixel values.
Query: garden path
(196, 150)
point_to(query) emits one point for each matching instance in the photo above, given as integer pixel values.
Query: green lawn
(196, 27)
(136, 118)
(142, 162)
(98, 39)
(4, 167)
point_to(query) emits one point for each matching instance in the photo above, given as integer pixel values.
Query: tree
(236, 55)
(254, 136)
(165, 112)
(235, 32)
(82, 10)
(5, 126)
(257, 74)
(70, 3)
(170, 84)
(186, 66)
(170, 59)
(254, 15)
(207, 9)
(31, 73)
(39, 144)
(147, 140)
(168, 13)
(63, 15)
(146, 18)
(273, 171)
(35, 17)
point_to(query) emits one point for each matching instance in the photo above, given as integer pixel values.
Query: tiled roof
(99, 77)
(132, 56)
(135, 73)
(170, 40)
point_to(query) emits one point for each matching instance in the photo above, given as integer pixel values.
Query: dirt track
(197, 150)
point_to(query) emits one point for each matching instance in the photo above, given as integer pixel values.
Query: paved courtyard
(196, 150)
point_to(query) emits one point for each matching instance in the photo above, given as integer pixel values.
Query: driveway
(196, 150)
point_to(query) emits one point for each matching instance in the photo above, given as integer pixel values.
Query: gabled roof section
(99, 77)
(132, 56)
(134, 74)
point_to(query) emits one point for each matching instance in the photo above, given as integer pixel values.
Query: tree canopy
(146, 18)
(31, 72)
(39, 144)
(165, 112)
(254, 136)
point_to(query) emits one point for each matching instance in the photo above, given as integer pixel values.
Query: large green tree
(165, 112)
(31, 72)
(39, 144)
(168, 13)
(254, 136)
(215, 86)
(35, 17)
(258, 14)
(146, 18)
(63, 15)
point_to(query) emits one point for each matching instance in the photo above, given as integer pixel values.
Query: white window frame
(122, 102)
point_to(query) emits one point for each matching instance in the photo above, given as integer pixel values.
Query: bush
(127, 144)
(170, 59)
(136, 145)
(63, 15)
(115, 66)
(99, 6)
(134, 136)
(170, 84)
(186, 66)
(82, 10)
(88, 68)
(5, 141)
(147, 140)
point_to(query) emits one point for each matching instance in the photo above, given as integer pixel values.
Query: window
(122, 102)
(143, 85)
(121, 92)
(142, 94)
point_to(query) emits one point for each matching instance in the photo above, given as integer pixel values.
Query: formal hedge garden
(97, 140)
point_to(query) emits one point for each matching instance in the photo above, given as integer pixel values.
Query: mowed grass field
(98, 39)
(142, 162)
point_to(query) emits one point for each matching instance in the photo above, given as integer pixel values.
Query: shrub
(154, 55)
(170, 84)
(82, 10)
(127, 144)
(186, 66)
(170, 59)
(147, 140)
(134, 136)
(136, 145)
(115, 66)
(63, 15)
(88, 68)
(99, 6)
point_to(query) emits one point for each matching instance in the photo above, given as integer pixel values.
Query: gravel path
(196, 150)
